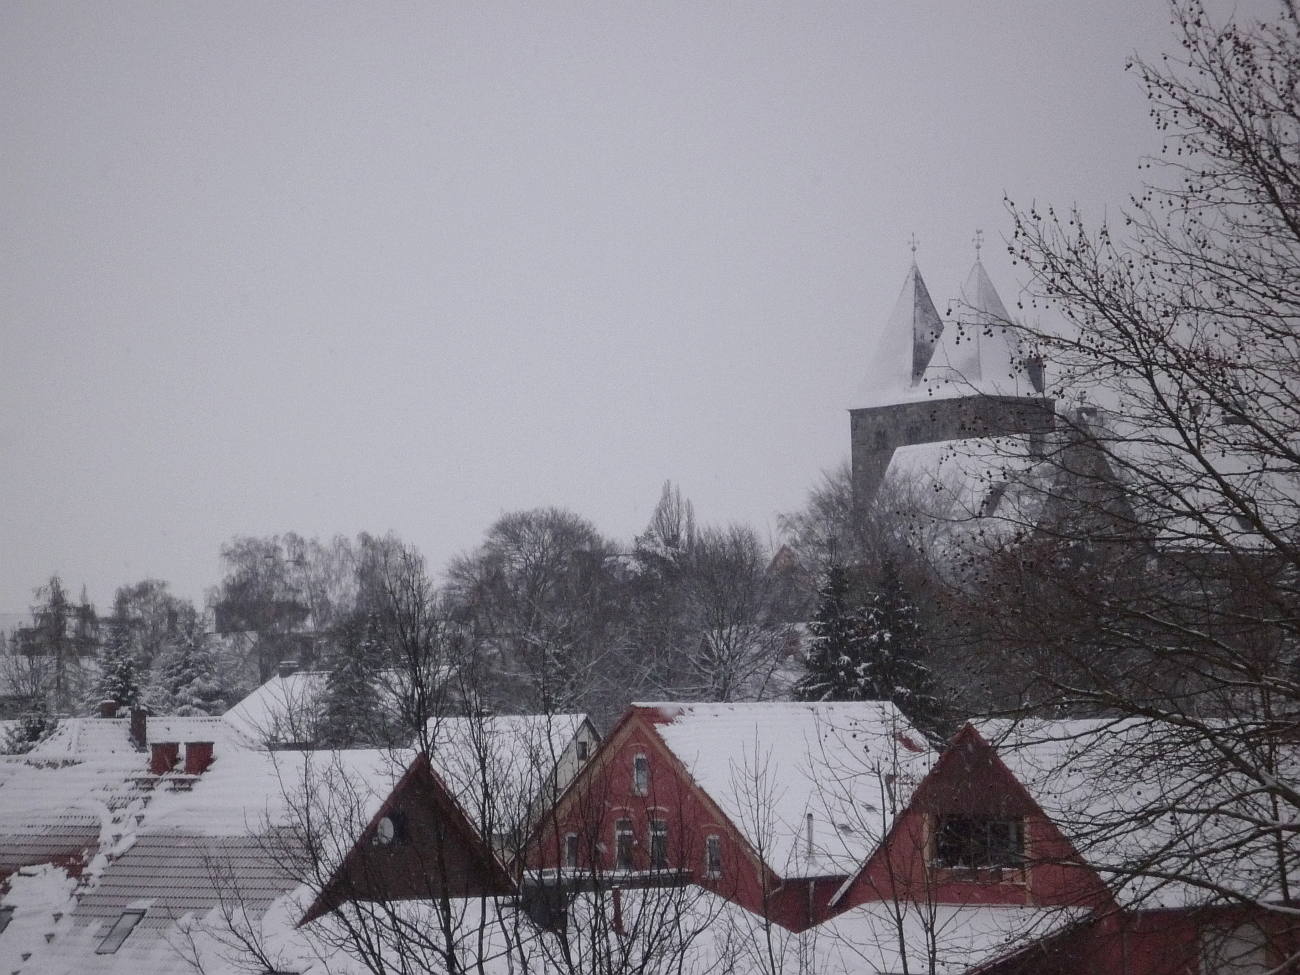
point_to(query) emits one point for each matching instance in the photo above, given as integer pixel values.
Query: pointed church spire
(908, 341)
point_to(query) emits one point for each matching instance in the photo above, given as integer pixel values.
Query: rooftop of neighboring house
(1154, 807)
(283, 710)
(812, 786)
(505, 762)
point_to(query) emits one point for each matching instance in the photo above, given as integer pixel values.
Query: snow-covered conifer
(119, 674)
(892, 666)
(352, 712)
(835, 655)
(185, 678)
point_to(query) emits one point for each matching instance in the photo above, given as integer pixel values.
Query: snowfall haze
(272, 267)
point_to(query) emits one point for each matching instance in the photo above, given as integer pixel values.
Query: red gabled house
(771, 806)
(418, 845)
(972, 834)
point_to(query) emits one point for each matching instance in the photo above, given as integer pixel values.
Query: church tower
(964, 379)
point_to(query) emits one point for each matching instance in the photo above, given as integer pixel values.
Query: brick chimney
(163, 755)
(139, 728)
(108, 709)
(198, 756)
(288, 668)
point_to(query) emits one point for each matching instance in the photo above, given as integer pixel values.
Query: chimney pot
(163, 755)
(288, 668)
(108, 709)
(198, 756)
(139, 728)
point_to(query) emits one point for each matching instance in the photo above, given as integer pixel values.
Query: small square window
(123, 926)
(571, 850)
(979, 842)
(623, 840)
(641, 775)
(659, 844)
(713, 856)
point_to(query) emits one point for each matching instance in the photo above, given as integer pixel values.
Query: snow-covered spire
(982, 350)
(910, 334)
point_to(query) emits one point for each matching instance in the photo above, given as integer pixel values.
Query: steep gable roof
(777, 769)
(436, 850)
(1154, 807)
(969, 778)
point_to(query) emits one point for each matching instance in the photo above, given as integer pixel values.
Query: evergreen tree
(119, 676)
(28, 731)
(352, 709)
(836, 654)
(892, 666)
(186, 681)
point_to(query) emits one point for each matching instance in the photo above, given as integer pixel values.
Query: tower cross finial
(913, 243)
(979, 239)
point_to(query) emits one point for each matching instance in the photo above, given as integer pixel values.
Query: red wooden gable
(696, 841)
(420, 845)
(970, 791)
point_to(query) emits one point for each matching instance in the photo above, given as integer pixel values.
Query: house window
(6, 915)
(641, 775)
(623, 844)
(123, 926)
(571, 850)
(979, 842)
(392, 829)
(659, 844)
(713, 856)
(584, 750)
(1242, 950)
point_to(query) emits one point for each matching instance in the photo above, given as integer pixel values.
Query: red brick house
(972, 834)
(771, 806)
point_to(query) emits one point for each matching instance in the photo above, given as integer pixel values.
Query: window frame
(658, 835)
(126, 922)
(713, 855)
(963, 844)
(641, 774)
(624, 844)
(569, 851)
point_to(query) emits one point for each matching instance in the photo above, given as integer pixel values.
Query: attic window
(979, 842)
(391, 829)
(641, 775)
(123, 926)
(584, 750)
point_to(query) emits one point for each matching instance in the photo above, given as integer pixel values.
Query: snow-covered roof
(497, 766)
(284, 709)
(1153, 806)
(850, 766)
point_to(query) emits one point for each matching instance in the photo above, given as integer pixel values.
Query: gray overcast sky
(332, 268)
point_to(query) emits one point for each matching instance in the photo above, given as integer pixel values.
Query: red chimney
(108, 709)
(198, 756)
(163, 757)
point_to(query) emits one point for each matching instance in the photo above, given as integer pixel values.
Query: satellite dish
(385, 831)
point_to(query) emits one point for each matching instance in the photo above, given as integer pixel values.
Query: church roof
(910, 335)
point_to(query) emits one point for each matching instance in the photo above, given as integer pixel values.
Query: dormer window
(122, 927)
(641, 775)
(979, 843)
(584, 750)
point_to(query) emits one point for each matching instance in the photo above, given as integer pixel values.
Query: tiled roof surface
(64, 840)
(173, 873)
